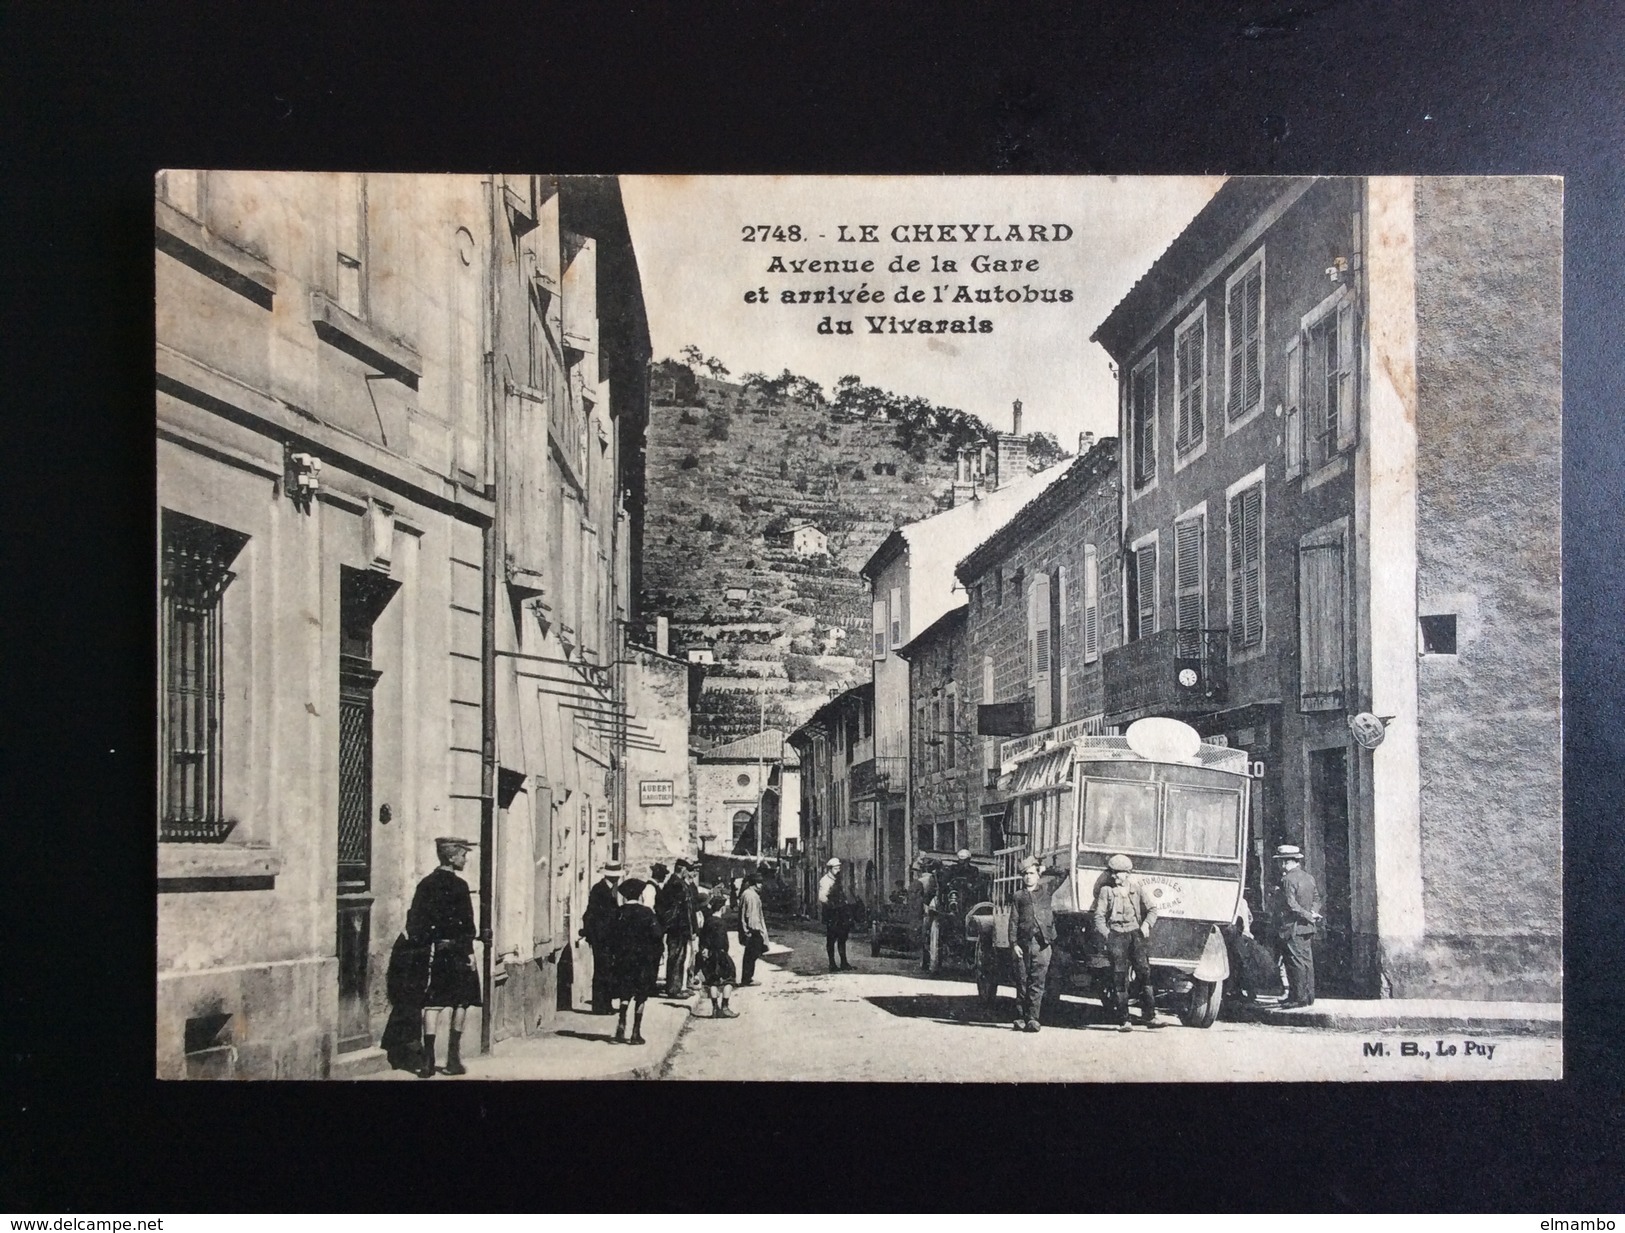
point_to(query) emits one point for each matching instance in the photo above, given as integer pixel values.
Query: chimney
(1016, 428)
(662, 635)
(1086, 442)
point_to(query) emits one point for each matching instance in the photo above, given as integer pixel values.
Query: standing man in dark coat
(1032, 938)
(1124, 914)
(597, 924)
(836, 910)
(634, 956)
(674, 907)
(1297, 912)
(442, 918)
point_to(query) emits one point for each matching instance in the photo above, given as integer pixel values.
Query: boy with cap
(1297, 911)
(442, 918)
(1124, 914)
(1032, 935)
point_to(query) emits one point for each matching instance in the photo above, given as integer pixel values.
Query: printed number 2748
(761, 233)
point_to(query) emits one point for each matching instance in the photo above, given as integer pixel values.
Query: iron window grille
(197, 557)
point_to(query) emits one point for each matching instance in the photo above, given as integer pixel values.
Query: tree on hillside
(697, 360)
(1044, 450)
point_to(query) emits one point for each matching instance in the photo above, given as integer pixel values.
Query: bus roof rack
(1215, 757)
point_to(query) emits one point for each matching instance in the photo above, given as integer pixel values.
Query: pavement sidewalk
(1410, 1015)
(579, 1045)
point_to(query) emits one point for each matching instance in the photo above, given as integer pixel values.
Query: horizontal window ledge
(192, 866)
(342, 330)
(193, 245)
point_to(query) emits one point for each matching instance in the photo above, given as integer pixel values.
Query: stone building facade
(944, 773)
(363, 586)
(1307, 538)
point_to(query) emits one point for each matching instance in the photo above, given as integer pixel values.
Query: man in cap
(1032, 938)
(442, 919)
(836, 913)
(1297, 912)
(1124, 914)
(597, 927)
(674, 907)
(752, 927)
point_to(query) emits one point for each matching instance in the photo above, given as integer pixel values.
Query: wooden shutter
(880, 628)
(1246, 568)
(1145, 590)
(1188, 586)
(1320, 626)
(1091, 604)
(1190, 357)
(1347, 413)
(1236, 342)
(1042, 661)
(1293, 420)
(1142, 396)
(1255, 343)
(1057, 643)
(897, 616)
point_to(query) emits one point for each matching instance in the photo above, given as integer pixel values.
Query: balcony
(1171, 672)
(875, 778)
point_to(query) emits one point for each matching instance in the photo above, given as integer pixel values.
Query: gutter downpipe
(492, 540)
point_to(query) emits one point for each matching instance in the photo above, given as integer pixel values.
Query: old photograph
(1083, 629)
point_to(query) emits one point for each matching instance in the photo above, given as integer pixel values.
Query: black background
(97, 99)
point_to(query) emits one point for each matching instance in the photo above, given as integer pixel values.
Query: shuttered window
(1244, 316)
(1190, 372)
(1091, 604)
(1057, 643)
(1328, 353)
(1292, 428)
(1247, 568)
(1142, 584)
(1320, 626)
(880, 628)
(1040, 659)
(1143, 420)
(897, 616)
(1190, 606)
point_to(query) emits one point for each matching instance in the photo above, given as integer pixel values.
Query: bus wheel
(987, 978)
(1204, 1004)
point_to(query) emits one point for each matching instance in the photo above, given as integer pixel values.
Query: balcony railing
(1170, 672)
(877, 777)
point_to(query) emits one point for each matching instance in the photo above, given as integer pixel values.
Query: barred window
(197, 558)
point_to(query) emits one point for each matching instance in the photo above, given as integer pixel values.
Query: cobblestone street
(887, 1021)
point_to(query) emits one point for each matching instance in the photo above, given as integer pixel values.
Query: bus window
(1203, 822)
(1120, 815)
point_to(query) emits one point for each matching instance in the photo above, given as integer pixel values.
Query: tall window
(897, 616)
(1142, 411)
(197, 558)
(880, 629)
(1040, 657)
(1321, 651)
(1190, 381)
(1326, 353)
(1141, 578)
(1190, 589)
(1091, 604)
(1244, 340)
(1247, 567)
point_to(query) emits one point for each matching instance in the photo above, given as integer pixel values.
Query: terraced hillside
(728, 464)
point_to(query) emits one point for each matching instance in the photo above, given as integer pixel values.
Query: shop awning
(1043, 773)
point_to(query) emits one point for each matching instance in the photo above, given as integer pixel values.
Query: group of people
(633, 925)
(1124, 914)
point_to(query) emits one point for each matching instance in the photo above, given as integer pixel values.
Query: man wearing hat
(752, 927)
(1297, 911)
(674, 907)
(836, 913)
(1124, 914)
(597, 926)
(442, 919)
(1032, 937)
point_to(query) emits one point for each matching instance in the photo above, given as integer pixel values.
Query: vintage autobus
(1177, 807)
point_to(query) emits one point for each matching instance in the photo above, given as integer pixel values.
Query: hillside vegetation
(730, 464)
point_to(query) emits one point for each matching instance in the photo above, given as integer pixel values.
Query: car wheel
(987, 980)
(1203, 1008)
